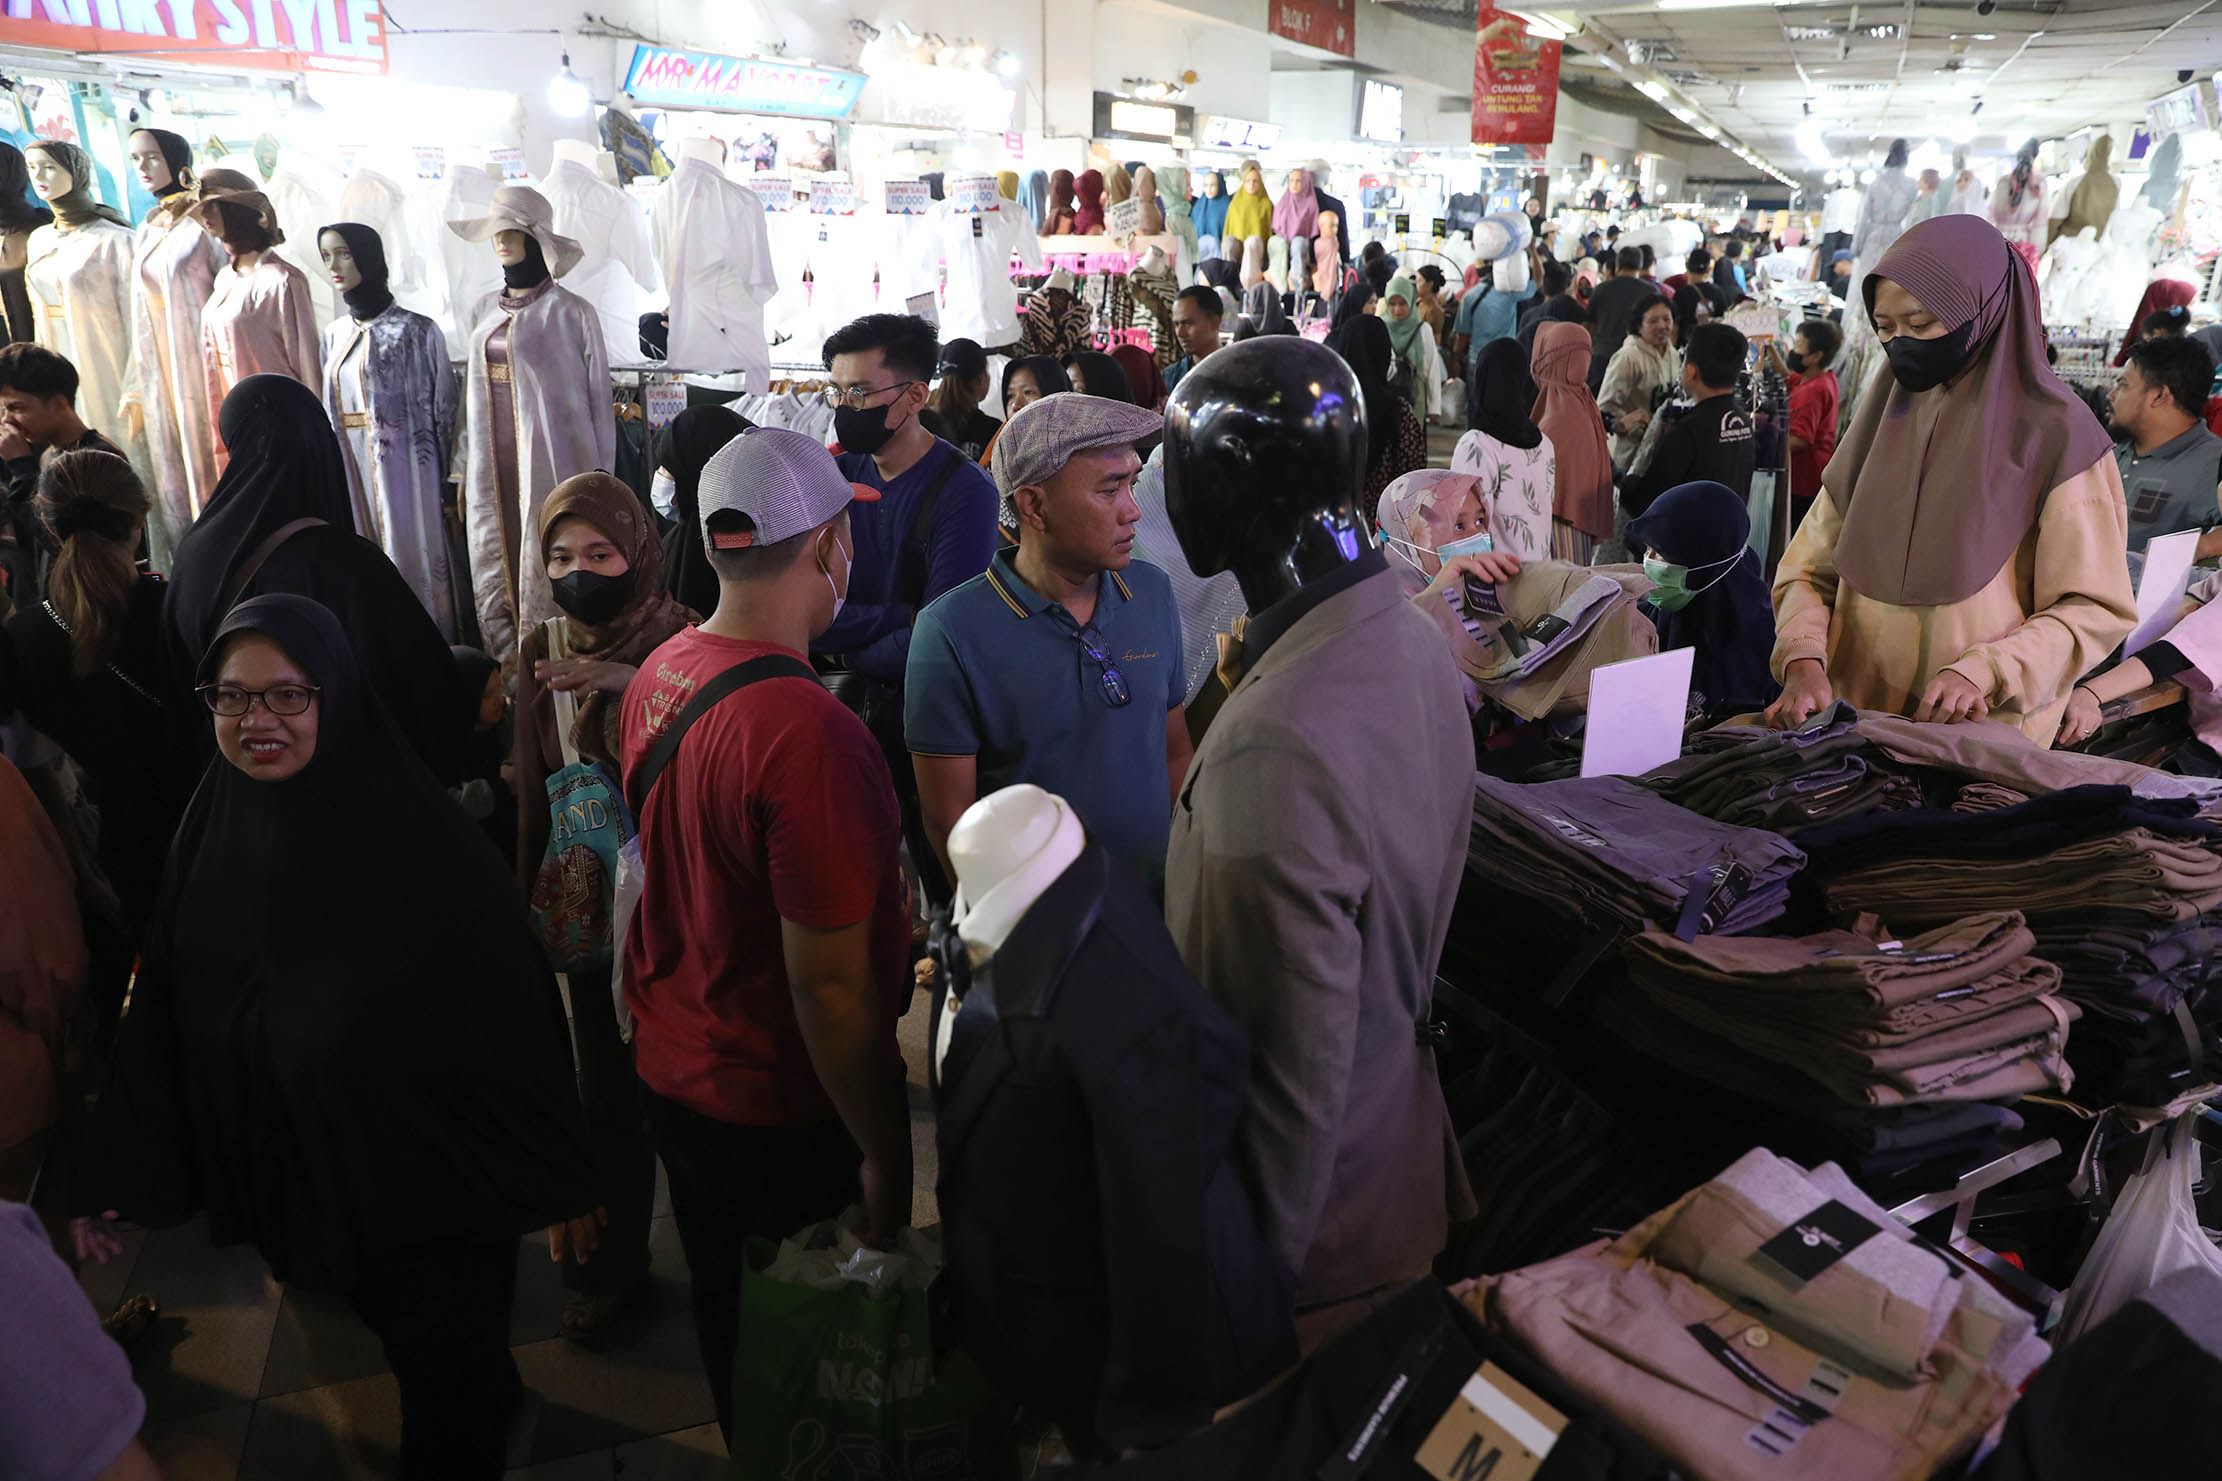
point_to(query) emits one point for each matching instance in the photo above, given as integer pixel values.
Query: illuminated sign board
(664, 77)
(269, 35)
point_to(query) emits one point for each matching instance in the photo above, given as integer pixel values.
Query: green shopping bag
(836, 1378)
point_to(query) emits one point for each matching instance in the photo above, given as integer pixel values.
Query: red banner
(1331, 25)
(327, 36)
(1515, 82)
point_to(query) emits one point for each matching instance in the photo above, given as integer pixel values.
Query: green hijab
(81, 204)
(1404, 333)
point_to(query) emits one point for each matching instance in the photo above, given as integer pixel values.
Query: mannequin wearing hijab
(77, 270)
(2091, 200)
(1711, 595)
(261, 316)
(1180, 218)
(288, 478)
(1965, 557)
(1210, 212)
(2018, 206)
(1250, 212)
(1153, 210)
(688, 442)
(19, 217)
(1567, 415)
(1516, 463)
(173, 274)
(275, 1067)
(1058, 217)
(1088, 212)
(392, 401)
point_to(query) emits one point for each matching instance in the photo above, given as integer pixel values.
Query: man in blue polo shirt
(1061, 664)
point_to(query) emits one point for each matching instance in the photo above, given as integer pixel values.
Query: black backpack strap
(740, 676)
(917, 544)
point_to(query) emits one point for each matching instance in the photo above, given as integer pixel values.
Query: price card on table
(2168, 561)
(1635, 713)
(666, 397)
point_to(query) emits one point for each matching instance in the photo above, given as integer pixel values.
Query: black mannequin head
(1265, 461)
(355, 257)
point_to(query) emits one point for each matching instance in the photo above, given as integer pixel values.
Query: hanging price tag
(667, 397)
(1442, 227)
(431, 161)
(510, 160)
(832, 195)
(350, 156)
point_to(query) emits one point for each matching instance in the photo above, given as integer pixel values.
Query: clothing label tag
(1547, 627)
(431, 161)
(978, 229)
(1495, 1428)
(510, 160)
(667, 397)
(1814, 1243)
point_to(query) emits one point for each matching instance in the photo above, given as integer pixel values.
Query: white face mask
(840, 597)
(663, 492)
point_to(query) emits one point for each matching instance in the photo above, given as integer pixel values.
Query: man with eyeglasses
(1060, 664)
(932, 529)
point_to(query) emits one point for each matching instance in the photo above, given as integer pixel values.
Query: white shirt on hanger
(715, 251)
(609, 224)
(982, 305)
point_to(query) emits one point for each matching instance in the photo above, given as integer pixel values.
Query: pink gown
(259, 322)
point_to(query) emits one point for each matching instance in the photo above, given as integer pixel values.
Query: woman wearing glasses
(344, 1045)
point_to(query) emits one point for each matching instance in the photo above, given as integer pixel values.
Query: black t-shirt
(971, 439)
(25, 549)
(1712, 440)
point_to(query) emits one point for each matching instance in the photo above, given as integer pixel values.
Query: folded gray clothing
(1627, 855)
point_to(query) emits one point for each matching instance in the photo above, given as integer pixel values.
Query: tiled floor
(247, 1381)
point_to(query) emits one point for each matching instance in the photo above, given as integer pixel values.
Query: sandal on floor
(131, 1321)
(588, 1314)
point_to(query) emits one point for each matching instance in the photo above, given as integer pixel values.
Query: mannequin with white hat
(538, 409)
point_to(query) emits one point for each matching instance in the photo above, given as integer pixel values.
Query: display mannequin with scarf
(537, 409)
(1516, 463)
(600, 550)
(261, 316)
(1250, 213)
(1087, 217)
(78, 271)
(2019, 208)
(392, 401)
(688, 442)
(380, 1113)
(1180, 217)
(19, 217)
(174, 266)
(1964, 556)
(1210, 213)
(1058, 216)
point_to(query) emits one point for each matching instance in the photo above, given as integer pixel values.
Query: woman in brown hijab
(1965, 560)
(1581, 507)
(605, 563)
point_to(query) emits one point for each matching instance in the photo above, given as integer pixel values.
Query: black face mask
(592, 597)
(862, 429)
(1922, 364)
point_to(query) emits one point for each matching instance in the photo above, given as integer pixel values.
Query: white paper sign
(774, 192)
(832, 195)
(1123, 219)
(908, 198)
(511, 162)
(667, 397)
(1635, 713)
(971, 193)
(431, 161)
(922, 305)
(2168, 561)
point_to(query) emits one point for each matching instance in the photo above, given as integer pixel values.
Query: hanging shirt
(460, 276)
(981, 305)
(620, 262)
(716, 256)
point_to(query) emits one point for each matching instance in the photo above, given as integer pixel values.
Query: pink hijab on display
(1296, 214)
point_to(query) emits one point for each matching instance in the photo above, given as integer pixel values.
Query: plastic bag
(837, 1376)
(631, 874)
(2152, 1233)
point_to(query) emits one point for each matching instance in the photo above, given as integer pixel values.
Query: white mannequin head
(708, 151)
(50, 179)
(1006, 849)
(339, 261)
(574, 151)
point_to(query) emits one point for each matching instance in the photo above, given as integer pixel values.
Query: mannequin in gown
(173, 271)
(261, 317)
(391, 397)
(78, 272)
(18, 219)
(538, 410)
(2019, 208)
(2091, 200)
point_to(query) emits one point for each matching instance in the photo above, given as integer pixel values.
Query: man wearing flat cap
(1060, 664)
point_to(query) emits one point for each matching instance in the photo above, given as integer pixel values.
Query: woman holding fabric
(1515, 462)
(380, 1111)
(1964, 557)
(1436, 528)
(694, 434)
(1581, 498)
(1708, 593)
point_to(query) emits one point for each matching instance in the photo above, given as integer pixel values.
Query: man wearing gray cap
(1061, 664)
(768, 959)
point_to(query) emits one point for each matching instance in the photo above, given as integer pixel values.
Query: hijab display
(1210, 211)
(282, 520)
(1058, 216)
(274, 1067)
(2091, 200)
(391, 399)
(1034, 196)
(1088, 204)
(688, 442)
(20, 215)
(715, 252)
(174, 266)
(1296, 213)
(1566, 413)
(1250, 212)
(1180, 220)
(1938, 487)
(260, 318)
(1711, 595)
(77, 274)
(537, 401)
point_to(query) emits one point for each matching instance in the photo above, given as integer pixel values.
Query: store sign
(290, 36)
(1330, 25)
(1215, 131)
(920, 95)
(2186, 108)
(1163, 123)
(664, 77)
(1515, 82)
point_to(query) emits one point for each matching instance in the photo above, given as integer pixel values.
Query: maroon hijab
(1938, 487)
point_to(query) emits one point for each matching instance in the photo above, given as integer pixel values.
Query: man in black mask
(933, 528)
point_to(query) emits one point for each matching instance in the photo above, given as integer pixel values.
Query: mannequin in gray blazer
(1319, 839)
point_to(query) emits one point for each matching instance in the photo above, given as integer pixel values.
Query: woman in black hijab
(692, 437)
(1710, 594)
(1395, 442)
(1094, 373)
(1262, 312)
(20, 215)
(281, 520)
(344, 1044)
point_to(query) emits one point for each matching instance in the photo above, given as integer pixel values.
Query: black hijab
(1217, 272)
(688, 442)
(285, 466)
(1048, 375)
(1364, 345)
(1262, 312)
(523, 277)
(1503, 394)
(177, 154)
(345, 1040)
(1730, 622)
(1105, 376)
(371, 297)
(18, 210)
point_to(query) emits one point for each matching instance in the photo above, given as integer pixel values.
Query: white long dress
(174, 267)
(620, 261)
(260, 322)
(79, 279)
(716, 256)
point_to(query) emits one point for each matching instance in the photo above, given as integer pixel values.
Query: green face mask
(1673, 591)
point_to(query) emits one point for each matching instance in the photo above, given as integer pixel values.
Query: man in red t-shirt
(768, 960)
(1813, 407)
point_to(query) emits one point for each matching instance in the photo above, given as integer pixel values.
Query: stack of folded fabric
(1786, 780)
(1775, 1323)
(2124, 895)
(1618, 855)
(1987, 797)
(1962, 1013)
